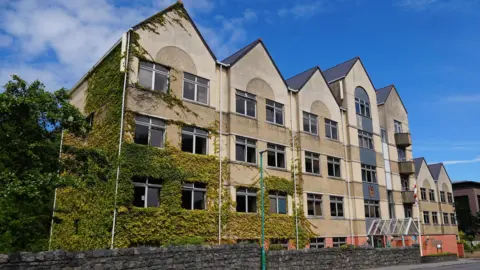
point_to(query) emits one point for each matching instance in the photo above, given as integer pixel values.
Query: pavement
(463, 264)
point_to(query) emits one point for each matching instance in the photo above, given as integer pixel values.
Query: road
(468, 266)
(461, 264)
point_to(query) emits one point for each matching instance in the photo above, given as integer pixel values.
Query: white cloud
(303, 10)
(466, 161)
(193, 6)
(473, 98)
(415, 4)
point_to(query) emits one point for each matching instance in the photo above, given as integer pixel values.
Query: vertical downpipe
(347, 173)
(55, 195)
(220, 180)
(294, 174)
(120, 139)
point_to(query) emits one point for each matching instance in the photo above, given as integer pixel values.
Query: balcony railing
(406, 167)
(407, 196)
(403, 139)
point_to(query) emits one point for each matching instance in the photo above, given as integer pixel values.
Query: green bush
(193, 240)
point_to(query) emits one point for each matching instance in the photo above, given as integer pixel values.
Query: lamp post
(262, 191)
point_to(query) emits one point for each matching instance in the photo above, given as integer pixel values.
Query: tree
(31, 122)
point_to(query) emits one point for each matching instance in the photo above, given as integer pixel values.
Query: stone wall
(439, 258)
(219, 257)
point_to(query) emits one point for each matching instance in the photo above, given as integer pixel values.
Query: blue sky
(428, 48)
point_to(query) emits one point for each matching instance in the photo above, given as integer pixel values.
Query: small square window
(312, 163)
(194, 196)
(275, 155)
(278, 202)
(194, 140)
(195, 88)
(331, 129)
(333, 167)
(310, 123)
(274, 112)
(149, 131)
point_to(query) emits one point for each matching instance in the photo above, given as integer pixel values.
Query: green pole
(262, 190)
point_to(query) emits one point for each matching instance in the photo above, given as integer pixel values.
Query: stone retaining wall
(440, 258)
(208, 257)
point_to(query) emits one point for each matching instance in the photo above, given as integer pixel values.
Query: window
(146, 192)
(331, 129)
(398, 126)
(278, 202)
(431, 194)
(423, 194)
(339, 241)
(246, 200)
(246, 150)
(391, 204)
(453, 219)
(279, 244)
(365, 139)
(384, 136)
(405, 183)
(445, 219)
(195, 88)
(333, 167)
(372, 209)
(149, 131)
(369, 173)
(435, 218)
(449, 197)
(247, 241)
(362, 107)
(274, 112)
(194, 140)
(153, 76)
(442, 196)
(401, 154)
(312, 163)
(310, 123)
(246, 103)
(426, 217)
(407, 210)
(317, 242)
(314, 205)
(276, 155)
(90, 118)
(336, 206)
(194, 196)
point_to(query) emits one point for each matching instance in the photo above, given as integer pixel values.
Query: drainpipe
(294, 168)
(220, 180)
(120, 139)
(55, 195)
(342, 113)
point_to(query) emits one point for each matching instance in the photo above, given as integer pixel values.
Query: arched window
(362, 102)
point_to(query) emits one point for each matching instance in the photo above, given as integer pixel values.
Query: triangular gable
(298, 81)
(418, 162)
(339, 71)
(436, 170)
(384, 93)
(178, 6)
(237, 56)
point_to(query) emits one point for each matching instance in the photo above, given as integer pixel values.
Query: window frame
(315, 198)
(280, 107)
(245, 96)
(195, 89)
(334, 161)
(446, 220)
(404, 180)
(311, 119)
(442, 197)
(426, 217)
(331, 125)
(397, 125)
(369, 170)
(275, 194)
(337, 200)
(192, 189)
(366, 107)
(194, 134)
(339, 241)
(312, 158)
(282, 242)
(450, 197)
(423, 194)
(401, 157)
(453, 219)
(246, 144)
(277, 151)
(150, 125)
(435, 218)
(247, 192)
(369, 205)
(317, 242)
(146, 185)
(365, 139)
(153, 70)
(431, 195)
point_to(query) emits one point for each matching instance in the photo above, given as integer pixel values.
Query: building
(338, 151)
(467, 202)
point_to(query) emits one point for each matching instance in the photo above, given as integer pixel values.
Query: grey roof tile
(418, 164)
(298, 81)
(232, 59)
(382, 94)
(339, 71)
(435, 170)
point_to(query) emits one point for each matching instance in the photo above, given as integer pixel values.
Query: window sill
(335, 178)
(338, 218)
(277, 169)
(369, 117)
(195, 153)
(244, 163)
(311, 134)
(245, 116)
(312, 174)
(315, 217)
(198, 103)
(275, 124)
(333, 140)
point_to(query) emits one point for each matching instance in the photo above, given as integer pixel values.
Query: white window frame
(190, 186)
(450, 197)
(423, 194)
(372, 204)
(146, 185)
(369, 170)
(276, 106)
(446, 220)
(363, 104)
(153, 70)
(195, 134)
(337, 200)
(246, 97)
(404, 179)
(365, 139)
(453, 219)
(331, 125)
(398, 126)
(277, 195)
(310, 119)
(339, 241)
(247, 192)
(150, 125)
(334, 161)
(315, 198)
(312, 157)
(246, 144)
(402, 154)
(277, 149)
(426, 217)
(435, 218)
(442, 197)
(317, 242)
(196, 83)
(431, 193)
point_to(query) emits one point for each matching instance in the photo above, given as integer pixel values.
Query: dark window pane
(189, 90)
(161, 82)
(202, 81)
(340, 209)
(239, 152)
(357, 107)
(273, 205)
(139, 196)
(306, 125)
(187, 199)
(333, 209)
(314, 127)
(269, 114)
(156, 137)
(252, 204)
(161, 68)
(281, 160)
(316, 166)
(310, 207)
(251, 155)
(240, 105)
(334, 133)
(187, 143)
(282, 206)
(202, 94)
(308, 165)
(279, 117)
(199, 200)
(153, 197)
(146, 64)
(189, 76)
(318, 209)
(241, 207)
(145, 78)
(251, 108)
(337, 170)
(141, 118)
(330, 169)
(201, 145)
(141, 134)
(271, 158)
(328, 132)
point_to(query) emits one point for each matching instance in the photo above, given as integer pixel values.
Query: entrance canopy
(396, 226)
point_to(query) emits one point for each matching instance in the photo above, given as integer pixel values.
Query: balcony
(407, 197)
(406, 167)
(403, 139)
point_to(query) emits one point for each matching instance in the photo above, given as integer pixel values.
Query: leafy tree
(31, 122)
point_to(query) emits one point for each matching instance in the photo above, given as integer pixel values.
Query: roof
(435, 170)
(418, 164)
(232, 59)
(465, 184)
(299, 80)
(339, 71)
(383, 93)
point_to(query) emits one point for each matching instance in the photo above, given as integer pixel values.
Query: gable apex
(384, 93)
